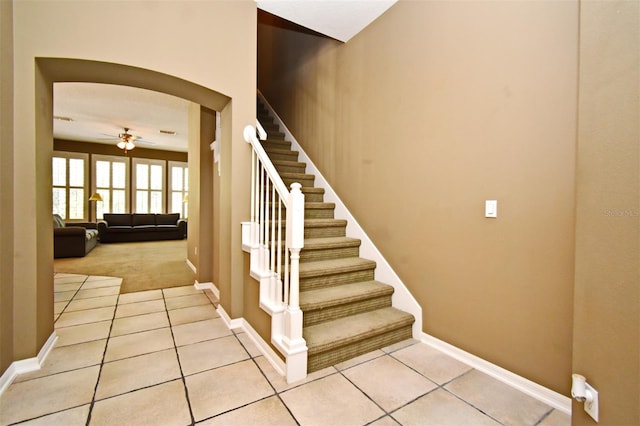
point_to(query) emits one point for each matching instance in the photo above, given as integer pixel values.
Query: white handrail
(276, 269)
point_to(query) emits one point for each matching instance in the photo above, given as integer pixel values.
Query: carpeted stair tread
(272, 150)
(324, 223)
(334, 266)
(342, 294)
(276, 143)
(348, 330)
(318, 205)
(289, 163)
(305, 176)
(330, 242)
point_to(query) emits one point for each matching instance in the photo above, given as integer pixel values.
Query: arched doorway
(52, 70)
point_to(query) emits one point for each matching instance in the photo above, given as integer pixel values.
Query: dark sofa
(73, 240)
(123, 227)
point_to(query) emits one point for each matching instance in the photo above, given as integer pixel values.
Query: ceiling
(338, 19)
(99, 112)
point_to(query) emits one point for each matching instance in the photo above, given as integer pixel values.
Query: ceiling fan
(128, 141)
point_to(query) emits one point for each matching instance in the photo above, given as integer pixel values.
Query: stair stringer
(402, 297)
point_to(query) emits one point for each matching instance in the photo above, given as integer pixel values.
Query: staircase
(346, 312)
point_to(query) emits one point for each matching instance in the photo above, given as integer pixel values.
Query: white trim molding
(241, 324)
(232, 324)
(554, 399)
(27, 365)
(207, 286)
(191, 266)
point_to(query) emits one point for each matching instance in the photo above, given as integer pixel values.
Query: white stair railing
(274, 259)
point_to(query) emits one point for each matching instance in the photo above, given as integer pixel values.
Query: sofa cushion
(120, 229)
(145, 228)
(167, 218)
(57, 221)
(118, 219)
(91, 234)
(143, 219)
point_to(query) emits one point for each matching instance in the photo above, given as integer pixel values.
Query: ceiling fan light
(121, 144)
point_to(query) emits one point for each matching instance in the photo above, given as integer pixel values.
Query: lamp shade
(95, 197)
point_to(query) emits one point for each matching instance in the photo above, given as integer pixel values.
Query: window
(179, 184)
(149, 185)
(111, 177)
(70, 182)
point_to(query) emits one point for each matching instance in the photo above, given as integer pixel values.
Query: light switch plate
(491, 208)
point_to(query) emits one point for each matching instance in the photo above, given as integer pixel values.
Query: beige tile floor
(165, 357)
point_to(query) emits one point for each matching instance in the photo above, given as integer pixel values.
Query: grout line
(104, 354)
(175, 349)
(544, 416)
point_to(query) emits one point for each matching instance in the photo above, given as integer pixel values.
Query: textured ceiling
(339, 19)
(99, 112)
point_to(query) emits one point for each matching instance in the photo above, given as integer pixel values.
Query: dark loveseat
(122, 227)
(73, 240)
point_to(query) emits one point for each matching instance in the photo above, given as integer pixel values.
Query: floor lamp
(96, 197)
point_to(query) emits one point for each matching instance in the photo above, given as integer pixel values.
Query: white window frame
(127, 182)
(134, 183)
(185, 189)
(75, 156)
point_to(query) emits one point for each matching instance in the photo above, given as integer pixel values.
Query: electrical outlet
(591, 407)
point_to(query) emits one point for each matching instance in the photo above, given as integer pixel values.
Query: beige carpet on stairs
(145, 265)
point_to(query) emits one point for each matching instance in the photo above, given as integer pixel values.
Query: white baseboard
(27, 365)
(266, 350)
(270, 355)
(191, 266)
(231, 323)
(208, 286)
(549, 397)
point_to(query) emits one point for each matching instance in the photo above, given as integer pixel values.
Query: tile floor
(165, 357)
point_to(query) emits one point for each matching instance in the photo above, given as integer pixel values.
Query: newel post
(292, 339)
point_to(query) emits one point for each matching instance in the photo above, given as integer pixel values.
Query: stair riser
(282, 156)
(302, 181)
(320, 232)
(274, 134)
(318, 213)
(327, 231)
(313, 254)
(312, 197)
(336, 279)
(328, 253)
(317, 316)
(322, 360)
(281, 168)
(276, 143)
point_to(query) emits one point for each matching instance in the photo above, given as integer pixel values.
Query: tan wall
(193, 229)
(6, 184)
(432, 109)
(205, 195)
(211, 73)
(607, 285)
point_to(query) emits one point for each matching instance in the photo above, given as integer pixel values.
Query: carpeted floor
(142, 265)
